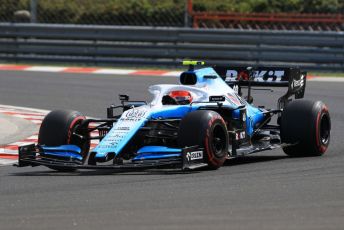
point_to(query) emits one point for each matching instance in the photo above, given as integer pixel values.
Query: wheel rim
(324, 129)
(219, 141)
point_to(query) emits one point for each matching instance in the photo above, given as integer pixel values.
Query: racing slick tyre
(208, 130)
(57, 129)
(308, 124)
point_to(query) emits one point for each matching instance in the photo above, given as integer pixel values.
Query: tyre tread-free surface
(301, 123)
(57, 129)
(208, 130)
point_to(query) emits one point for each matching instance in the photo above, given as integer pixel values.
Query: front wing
(32, 155)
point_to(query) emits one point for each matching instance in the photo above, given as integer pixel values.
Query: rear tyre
(308, 124)
(57, 129)
(208, 130)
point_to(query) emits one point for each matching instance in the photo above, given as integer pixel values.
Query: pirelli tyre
(57, 128)
(208, 130)
(306, 124)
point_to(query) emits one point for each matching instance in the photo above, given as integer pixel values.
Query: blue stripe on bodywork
(158, 149)
(65, 151)
(253, 117)
(175, 111)
(154, 156)
(157, 152)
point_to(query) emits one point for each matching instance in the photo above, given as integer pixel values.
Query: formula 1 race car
(201, 122)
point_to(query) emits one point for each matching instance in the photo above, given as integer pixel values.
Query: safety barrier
(117, 45)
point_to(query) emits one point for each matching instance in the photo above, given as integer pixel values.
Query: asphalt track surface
(263, 191)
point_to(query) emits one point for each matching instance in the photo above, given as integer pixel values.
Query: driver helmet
(182, 97)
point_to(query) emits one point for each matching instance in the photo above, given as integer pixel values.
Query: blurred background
(321, 20)
(249, 14)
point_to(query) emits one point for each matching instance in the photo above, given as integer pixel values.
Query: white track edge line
(25, 108)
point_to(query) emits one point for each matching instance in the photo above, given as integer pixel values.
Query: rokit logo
(196, 155)
(259, 76)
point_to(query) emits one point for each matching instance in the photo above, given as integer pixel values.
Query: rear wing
(264, 76)
(289, 77)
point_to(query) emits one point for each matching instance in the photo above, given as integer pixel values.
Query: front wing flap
(191, 158)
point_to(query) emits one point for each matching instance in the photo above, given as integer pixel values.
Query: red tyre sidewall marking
(78, 118)
(322, 148)
(211, 157)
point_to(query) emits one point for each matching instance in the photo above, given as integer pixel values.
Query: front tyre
(208, 130)
(58, 128)
(306, 124)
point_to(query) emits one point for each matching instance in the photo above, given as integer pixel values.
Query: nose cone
(121, 133)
